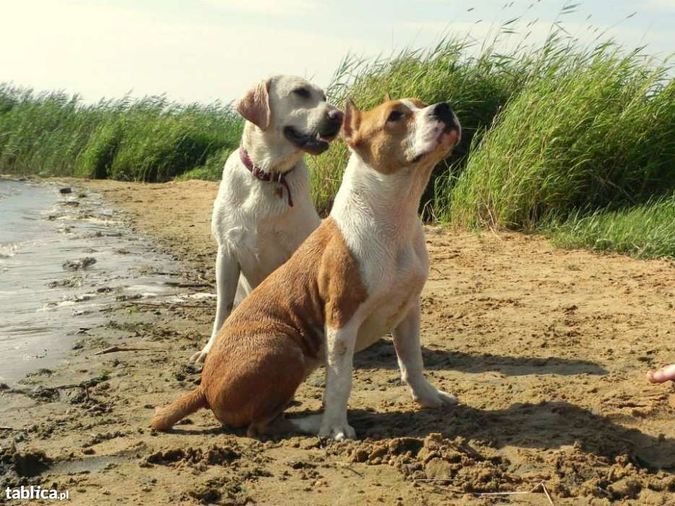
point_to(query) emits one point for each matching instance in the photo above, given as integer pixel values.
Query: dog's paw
(433, 398)
(199, 357)
(337, 431)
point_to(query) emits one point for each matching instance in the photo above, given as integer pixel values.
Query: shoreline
(545, 348)
(70, 264)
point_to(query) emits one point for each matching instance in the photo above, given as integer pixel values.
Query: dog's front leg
(227, 278)
(339, 364)
(409, 352)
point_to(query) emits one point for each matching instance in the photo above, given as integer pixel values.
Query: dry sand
(546, 349)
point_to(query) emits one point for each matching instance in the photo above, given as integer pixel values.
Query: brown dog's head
(401, 133)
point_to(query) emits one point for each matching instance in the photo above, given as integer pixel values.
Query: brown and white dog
(355, 278)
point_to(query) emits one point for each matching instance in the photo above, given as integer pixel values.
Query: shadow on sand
(545, 425)
(382, 355)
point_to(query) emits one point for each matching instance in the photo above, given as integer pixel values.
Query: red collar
(258, 173)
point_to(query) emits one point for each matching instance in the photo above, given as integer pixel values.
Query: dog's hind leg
(227, 280)
(268, 426)
(243, 289)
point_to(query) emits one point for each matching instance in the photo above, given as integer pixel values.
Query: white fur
(377, 216)
(424, 136)
(252, 222)
(340, 352)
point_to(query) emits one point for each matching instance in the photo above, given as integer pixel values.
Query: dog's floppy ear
(351, 121)
(255, 105)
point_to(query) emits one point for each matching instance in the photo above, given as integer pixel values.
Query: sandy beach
(546, 349)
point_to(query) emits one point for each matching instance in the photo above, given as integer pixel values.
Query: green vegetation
(571, 141)
(149, 139)
(646, 230)
(595, 129)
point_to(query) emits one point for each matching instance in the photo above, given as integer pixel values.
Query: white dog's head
(291, 109)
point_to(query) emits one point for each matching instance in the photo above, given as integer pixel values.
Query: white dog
(263, 210)
(355, 278)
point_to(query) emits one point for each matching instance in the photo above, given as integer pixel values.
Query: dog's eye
(395, 116)
(301, 92)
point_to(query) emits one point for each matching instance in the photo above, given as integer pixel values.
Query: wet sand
(63, 259)
(546, 349)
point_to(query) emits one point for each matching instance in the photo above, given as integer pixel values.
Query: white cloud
(664, 5)
(104, 49)
(216, 48)
(273, 8)
(534, 33)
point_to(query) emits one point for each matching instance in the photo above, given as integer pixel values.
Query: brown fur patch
(255, 105)
(340, 283)
(380, 142)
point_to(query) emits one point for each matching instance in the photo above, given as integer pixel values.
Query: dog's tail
(166, 417)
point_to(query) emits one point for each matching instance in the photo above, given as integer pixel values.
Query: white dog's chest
(257, 224)
(269, 246)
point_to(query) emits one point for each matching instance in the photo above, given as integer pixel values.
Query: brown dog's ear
(255, 105)
(351, 121)
(387, 97)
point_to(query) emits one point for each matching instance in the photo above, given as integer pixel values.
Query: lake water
(44, 305)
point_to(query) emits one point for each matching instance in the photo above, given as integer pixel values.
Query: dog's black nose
(336, 115)
(443, 112)
(330, 127)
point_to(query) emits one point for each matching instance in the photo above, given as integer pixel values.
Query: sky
(206, 50)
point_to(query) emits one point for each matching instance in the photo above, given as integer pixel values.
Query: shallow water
(43, 305)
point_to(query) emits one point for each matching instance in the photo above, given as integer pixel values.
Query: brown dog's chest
(396, 294)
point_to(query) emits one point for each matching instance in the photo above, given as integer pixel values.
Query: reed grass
(595, 130)
(643, 231)
(148, 139)
(575, 141)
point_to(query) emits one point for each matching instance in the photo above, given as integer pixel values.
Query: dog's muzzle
(316, 143)
(450, 134)
(443, 113)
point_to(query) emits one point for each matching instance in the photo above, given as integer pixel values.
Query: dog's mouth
(450, 136)
(447, 139)
(314, 143)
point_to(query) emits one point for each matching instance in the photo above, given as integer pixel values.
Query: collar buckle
(260, 174)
